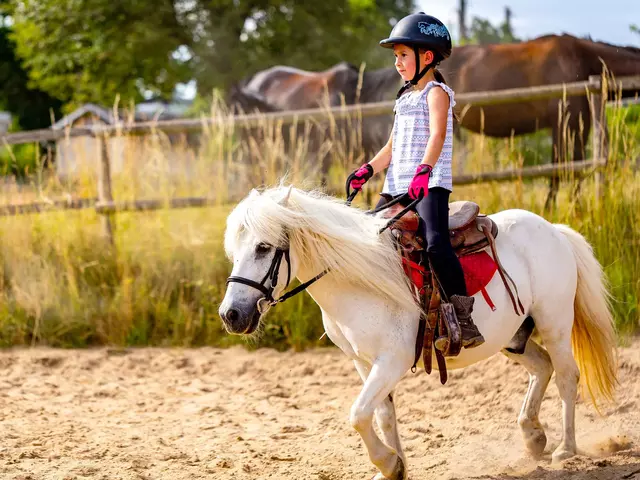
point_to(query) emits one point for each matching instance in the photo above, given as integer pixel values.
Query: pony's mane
(323, 232)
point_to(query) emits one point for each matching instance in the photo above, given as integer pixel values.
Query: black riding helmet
(420, 30)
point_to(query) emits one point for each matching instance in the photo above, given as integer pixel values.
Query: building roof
(144, 112)
(102, 113)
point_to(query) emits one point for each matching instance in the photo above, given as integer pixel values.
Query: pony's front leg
(385, 414)
(384, 375)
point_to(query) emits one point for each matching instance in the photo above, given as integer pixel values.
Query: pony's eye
(262, 248)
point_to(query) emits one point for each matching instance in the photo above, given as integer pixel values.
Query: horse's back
(541, 254)
(526, 228)
(539, 61)
(292, 88)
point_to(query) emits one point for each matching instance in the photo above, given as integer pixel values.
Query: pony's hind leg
(383, 377)
(538, 363)
(567, 377)
(385, 414)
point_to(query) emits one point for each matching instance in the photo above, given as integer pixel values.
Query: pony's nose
(232, 316)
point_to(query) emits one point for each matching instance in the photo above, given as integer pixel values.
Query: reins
(351, 195)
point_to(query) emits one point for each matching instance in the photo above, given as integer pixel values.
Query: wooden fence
(106, 206)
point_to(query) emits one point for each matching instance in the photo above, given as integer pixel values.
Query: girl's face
(406, 60)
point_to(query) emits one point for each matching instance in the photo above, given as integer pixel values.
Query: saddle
(466, 228)
(469, 232)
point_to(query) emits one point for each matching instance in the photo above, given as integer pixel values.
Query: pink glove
(364, 173)
(420, 183)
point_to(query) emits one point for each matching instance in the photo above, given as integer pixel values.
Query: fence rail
(530, 172)
(46, 206)
(478, 99)
(111, 207)
(106, 206)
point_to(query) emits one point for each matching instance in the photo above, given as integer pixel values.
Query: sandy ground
(233, 414)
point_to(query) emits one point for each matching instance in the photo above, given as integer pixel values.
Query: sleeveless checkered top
(410, 136)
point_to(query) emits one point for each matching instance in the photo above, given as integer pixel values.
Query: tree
(307, 35)
(483, 32)
(91, 50)
(32, 107)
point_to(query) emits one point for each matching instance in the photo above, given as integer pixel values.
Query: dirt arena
(232, 414)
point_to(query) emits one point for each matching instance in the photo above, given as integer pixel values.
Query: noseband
(272, 274)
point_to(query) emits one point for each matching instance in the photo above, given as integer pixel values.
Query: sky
(532, 18)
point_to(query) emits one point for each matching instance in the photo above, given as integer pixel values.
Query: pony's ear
(285, 200)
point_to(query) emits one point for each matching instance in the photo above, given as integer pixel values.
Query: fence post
(104, 187)
(599, 131)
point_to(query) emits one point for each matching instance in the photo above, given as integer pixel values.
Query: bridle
(272, 275)
(274, 268)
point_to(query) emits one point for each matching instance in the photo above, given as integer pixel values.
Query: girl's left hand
(420, 184)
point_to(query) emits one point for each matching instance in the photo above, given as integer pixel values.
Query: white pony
(370, 312)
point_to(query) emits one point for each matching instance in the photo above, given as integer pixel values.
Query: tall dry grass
(62, 284)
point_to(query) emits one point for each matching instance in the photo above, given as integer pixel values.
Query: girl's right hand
(419, 186)
(360, 176)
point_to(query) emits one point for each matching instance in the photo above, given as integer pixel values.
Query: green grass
(62, 284)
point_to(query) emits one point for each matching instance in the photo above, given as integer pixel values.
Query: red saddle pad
(479, 268)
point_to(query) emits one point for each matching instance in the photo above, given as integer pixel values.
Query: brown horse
(282, 88)
(287, 88)
(551, 59)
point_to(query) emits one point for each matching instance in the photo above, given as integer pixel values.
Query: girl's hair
(439, 77)
(437, 58)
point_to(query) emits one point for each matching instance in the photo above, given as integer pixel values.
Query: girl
(418, 153)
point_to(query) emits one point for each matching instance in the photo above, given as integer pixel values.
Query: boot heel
(471, 336)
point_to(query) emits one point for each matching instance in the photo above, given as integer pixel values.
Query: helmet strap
(419, 74)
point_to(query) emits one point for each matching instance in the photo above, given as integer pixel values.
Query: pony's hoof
(535, 442)
(533, 435)
(399, 472)
(561, 453)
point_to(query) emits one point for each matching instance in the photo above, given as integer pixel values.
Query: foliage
(93, 50)
(307, 35)
(19, 161)
(33, 108)
(483, 32)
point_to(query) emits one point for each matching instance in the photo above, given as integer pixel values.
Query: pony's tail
(593, 336)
